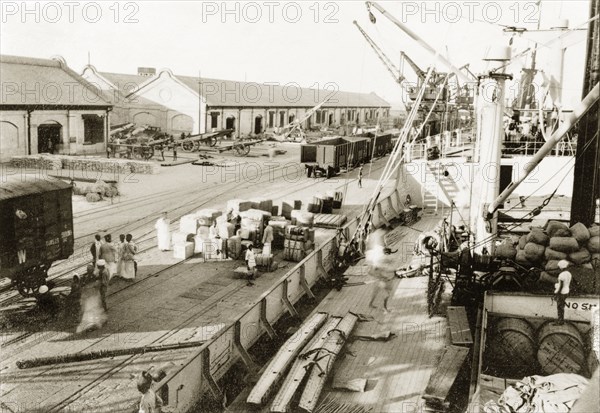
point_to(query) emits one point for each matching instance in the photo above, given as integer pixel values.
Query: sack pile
(544, 248)
(95, 192)
(86, 163)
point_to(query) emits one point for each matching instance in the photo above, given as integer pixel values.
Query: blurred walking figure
(108, 253)
(163, 232)
(251, 263)
(93, 315)
(104, 279)
(381, 267)
(128, 264)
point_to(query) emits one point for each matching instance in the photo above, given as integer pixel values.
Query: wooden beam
(279, 364)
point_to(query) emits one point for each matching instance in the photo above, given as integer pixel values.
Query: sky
(313, 44)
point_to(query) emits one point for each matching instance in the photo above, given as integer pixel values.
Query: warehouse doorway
(258, 124)
(230, 123)
(49, 137)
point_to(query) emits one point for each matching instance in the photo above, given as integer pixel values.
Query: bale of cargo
(263, 204)
(551, 267)
(234, 247)
(198, 244)
(506, 250)
(314, 208)
(296, 233)
(522, 242)
(564, 244)
(226, 230)
(275, 210)
(264, 261)
(180, 237)
(511, 348)
(560, 349)
(80, 189)
(546, 278)
(580, 233)
(551, 254)
(580, 257)
(538, 236)
(189, 223)
(305, 219)
(534, 252)
(594, 231)
(93, 197)
(557, 229)
(521, 259)
(203, 231)
(256, 214)
(593, 244)
(286, 210)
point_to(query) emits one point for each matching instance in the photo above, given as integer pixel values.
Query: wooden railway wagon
(36, 218)
(328, 156)
(384, 144)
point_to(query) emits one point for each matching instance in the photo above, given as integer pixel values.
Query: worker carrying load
(381, 266)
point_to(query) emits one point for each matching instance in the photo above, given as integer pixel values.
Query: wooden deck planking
(397, 370)
(460, 332)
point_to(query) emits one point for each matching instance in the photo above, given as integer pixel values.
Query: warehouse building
(186, 104)
(45, 107)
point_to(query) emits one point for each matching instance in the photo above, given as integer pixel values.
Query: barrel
(511, 348)
(560, 348)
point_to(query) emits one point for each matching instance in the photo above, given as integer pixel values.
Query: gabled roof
(50, 82)
(219, 92)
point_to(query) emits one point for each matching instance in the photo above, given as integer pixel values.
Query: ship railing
(188, 382)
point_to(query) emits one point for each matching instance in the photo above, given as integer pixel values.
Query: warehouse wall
(13, 134)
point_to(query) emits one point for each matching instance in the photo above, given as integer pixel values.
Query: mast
(490, 130)
(586, 183)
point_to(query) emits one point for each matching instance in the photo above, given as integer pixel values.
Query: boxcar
(384, 144)
(328, 156)
(36, 218)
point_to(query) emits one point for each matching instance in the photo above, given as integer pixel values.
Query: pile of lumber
(543, 248)
(306, 358)
(85, 163)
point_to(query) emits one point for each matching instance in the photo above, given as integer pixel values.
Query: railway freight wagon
(328, 156)
(384, 144)
(36, 218)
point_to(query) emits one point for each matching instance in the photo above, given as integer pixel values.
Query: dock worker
(251, 264)
(381, 267)
(95, 248)
(128, 266)
(163, 232)
(92, 301)
(174, 152)
(360, 175)
(562, 289)
(120, 253)
(108, 253)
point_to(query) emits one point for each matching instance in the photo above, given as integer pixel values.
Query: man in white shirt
(562, 289)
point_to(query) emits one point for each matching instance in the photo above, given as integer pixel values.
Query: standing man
(174, 151)
(108, 253)
(128, 265)
(163, 232)
(104, 279)
(360, 175)
(120, 253)
(562, 289)
(267, 239)
(251, 263)
(95, 248)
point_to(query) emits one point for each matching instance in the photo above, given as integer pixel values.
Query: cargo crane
(391, 67)
(293, 130)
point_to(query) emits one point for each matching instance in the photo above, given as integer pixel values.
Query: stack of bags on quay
(544, 248)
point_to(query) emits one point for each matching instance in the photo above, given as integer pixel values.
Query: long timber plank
(445, 374)
(460, 332)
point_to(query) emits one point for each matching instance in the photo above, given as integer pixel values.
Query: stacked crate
(253, 223)
(299, 241)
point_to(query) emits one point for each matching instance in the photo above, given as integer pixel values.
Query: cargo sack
(580, 233)
(585, 279)
(520, 258)
(580, 257)
(594, 231)
(522, 242)
(557, 229)
(538, 236)
(534, 252)
(564, 244)
(551, 267)
(593, 244)
(546, 278)
(551, 254)
(506, 250)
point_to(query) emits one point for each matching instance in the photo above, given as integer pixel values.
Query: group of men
(110, 260)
